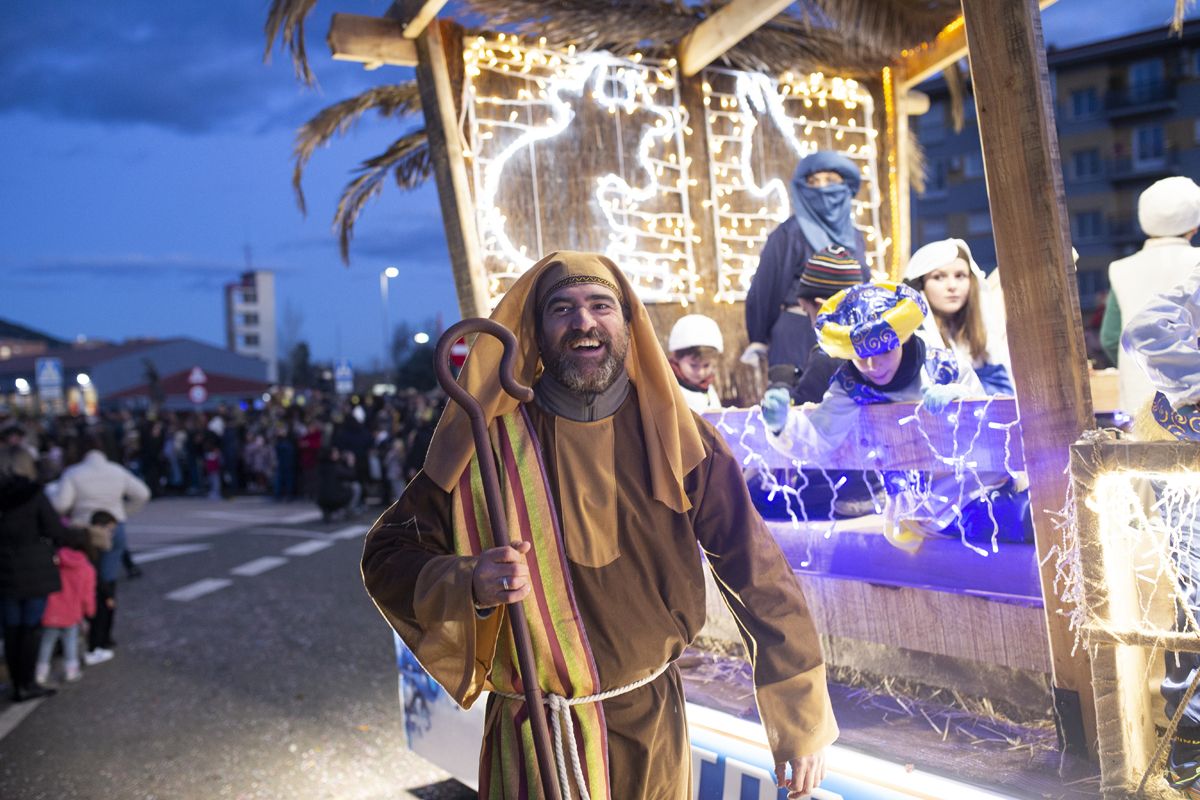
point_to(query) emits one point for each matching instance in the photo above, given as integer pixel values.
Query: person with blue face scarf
(823, 191)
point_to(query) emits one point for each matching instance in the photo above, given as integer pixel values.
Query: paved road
(250, 664)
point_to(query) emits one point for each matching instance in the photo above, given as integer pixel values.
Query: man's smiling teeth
(585, 343)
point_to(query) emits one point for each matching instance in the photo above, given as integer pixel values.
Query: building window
(249, 319)
(1149, 145)
(1087, 225)
(932, 230)
(250, 297)
(935, 177)
(1145, 79)
(979, 222)
(931, 126)
(1086, 163)
(250, 340)
(1085, 103)
(973, 165)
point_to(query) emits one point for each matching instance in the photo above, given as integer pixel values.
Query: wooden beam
(882, 439)
(439, 76)
(370, 40)
(728, 26)
(415, 15)
(931, 58)
(1032, 235)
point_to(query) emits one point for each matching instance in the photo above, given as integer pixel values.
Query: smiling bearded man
(612, 487)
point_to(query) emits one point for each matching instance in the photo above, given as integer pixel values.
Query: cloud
(196, 271)
(191, 66)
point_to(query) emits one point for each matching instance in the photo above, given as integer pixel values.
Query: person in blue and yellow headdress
(876, 328)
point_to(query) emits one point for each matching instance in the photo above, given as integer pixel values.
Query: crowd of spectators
(334, 451)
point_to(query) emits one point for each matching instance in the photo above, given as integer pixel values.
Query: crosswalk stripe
(169, 551)
(307, 548)
(11, 718)
(351, 532)
(258, 566)
(200, 588)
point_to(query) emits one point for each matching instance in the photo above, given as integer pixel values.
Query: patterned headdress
(869, 319)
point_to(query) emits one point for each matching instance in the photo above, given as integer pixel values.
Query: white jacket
(1162, 264)
(97, 484)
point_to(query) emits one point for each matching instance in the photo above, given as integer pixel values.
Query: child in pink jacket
(65, 610)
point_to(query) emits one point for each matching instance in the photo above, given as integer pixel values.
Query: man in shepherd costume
(612, 487)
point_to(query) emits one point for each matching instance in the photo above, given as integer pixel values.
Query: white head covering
(1170, 207)
(936, 255)
(695, 330)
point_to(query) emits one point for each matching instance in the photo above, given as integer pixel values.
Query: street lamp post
(384, 276)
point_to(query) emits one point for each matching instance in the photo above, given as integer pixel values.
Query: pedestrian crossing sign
(48, 375)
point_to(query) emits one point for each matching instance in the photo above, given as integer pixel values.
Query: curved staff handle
(491, 491)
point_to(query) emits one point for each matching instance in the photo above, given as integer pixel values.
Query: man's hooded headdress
(673, 441)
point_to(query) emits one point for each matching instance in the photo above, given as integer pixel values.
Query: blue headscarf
(825, 214)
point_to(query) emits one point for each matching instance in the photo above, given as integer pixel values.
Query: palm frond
(397, 100)
(286, 20)
(408, 158)
(1181, 7)
(858, 37)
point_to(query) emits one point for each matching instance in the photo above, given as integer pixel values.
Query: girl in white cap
(960, 316)
(692, 350)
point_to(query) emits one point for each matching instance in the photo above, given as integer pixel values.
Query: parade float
(663, 135)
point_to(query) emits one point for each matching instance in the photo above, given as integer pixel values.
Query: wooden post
(1033, 249)
(439, 76)
(1125, 735)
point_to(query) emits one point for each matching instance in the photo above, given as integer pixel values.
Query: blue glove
(935, 398)
(775, 405)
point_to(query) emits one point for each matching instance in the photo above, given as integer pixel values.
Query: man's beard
(560, 362)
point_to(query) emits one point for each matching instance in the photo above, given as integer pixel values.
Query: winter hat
(869, 319)
(829, 271)
(936, 255)
(1170, 207)
(695, 330)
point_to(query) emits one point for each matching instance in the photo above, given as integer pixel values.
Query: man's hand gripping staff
(501, 575)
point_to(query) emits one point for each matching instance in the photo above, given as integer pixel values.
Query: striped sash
(508, 766)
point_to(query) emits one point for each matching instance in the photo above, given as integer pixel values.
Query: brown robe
(639, 589)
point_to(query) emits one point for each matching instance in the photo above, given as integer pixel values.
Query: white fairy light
(745, 205)
(649, 222)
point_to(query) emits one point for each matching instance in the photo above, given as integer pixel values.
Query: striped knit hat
(829, 271)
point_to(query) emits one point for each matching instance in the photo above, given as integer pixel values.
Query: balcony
(1140, 169)
(1151, 98)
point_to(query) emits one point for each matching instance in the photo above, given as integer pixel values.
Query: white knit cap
(1170, 207)
(695, 330)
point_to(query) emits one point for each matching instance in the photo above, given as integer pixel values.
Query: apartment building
(1128, 114)
(250, 318)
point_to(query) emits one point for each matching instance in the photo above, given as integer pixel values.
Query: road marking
(352, 532)
(302, 517)
(11, 718)
(198, 589)
(169, 551)
(258, 566)
(307, 548)
(233, 516)
(297, 532)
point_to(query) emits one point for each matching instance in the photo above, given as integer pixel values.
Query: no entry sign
(458, 352)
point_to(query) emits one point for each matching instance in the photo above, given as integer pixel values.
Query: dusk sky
(148, 145)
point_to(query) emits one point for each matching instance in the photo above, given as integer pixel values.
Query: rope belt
(560, 718)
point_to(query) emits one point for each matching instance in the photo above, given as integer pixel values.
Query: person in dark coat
(823, 191)
(30, 531)
(337, 488)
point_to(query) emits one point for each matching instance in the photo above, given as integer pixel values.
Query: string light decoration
(1129, 595)
(519, 98)
(751, 120)
(956, 483)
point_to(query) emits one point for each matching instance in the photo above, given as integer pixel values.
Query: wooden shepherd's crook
(495, 507)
